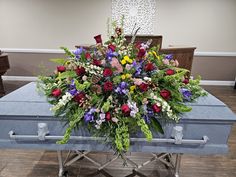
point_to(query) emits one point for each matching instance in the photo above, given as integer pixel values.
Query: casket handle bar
(43, 134)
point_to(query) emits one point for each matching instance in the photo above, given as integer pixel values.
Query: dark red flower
(186, 81)
(143, 87)
(98, 39)
(108, 86)
(138, 44)
(112, 47)
(149, 67)
(97, 62)
(56, 92)
(87, 55)
(166, 94)
(61, 68)
(170, 72)
(107, 72)
(80, 97)
(118, 31)
(125, 109)
(80, 71)
(108, 116)
(141, 52)
(156, 109)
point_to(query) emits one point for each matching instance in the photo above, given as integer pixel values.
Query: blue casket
(24, 113)
(26, 122)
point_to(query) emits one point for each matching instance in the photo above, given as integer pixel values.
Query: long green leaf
(59, 61)
(156, 125)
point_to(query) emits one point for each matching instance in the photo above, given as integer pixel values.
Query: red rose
(143, 87)
(186, 81)
(125, 109)
(97, 62)
(107, 72)
(156, 109)
(141, 52)
(87, 55)
(170, 72)
(98, 39)
(80, 71)
(108, 116)
(80, 97)
(112, 47)
(166, 94)
(56, 92)
(149, 67)
(61, 68)
(108, 86)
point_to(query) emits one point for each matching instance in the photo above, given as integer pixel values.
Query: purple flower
(186, 94)
(169, 56)
(78, 52)
(147, 119)
(110, 54)
(122, 88)
(72, 89)
(138, 67)
(89, 115)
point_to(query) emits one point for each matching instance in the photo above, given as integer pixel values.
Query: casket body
(23, 109)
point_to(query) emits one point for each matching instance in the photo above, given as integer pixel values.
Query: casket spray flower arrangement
(116, 89)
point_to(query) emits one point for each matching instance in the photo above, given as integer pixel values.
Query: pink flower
(137, 81)
(166, 62)
(115, 64)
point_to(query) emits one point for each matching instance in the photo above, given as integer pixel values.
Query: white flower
(147, 79)
(114, 119)
(84, 78)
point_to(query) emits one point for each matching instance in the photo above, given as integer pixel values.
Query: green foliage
(75, 120)
(66, 74)
(60, 61)
(68, 52)
(122, 140)
(144, 127)
(156, 125)
(106, 106)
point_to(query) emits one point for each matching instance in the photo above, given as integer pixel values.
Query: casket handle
(43, 134)
(13, 136)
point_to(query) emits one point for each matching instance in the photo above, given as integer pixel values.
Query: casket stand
(28, 123)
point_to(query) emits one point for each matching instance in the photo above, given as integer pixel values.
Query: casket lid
(26, 102)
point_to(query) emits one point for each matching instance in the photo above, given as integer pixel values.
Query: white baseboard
(217, 82)
(19, 78)
(203, 82)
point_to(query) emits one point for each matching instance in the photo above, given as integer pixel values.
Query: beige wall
(209, 25)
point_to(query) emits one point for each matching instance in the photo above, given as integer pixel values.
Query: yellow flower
(132, 88)
(130, 61)
(155, 54)
(123, 77)
(126, 58)
(128, 76)
(150, 53)
(123, 62)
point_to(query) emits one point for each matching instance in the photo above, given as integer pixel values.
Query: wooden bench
(4, 66)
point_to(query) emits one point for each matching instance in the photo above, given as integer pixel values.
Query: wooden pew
(4, 66)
